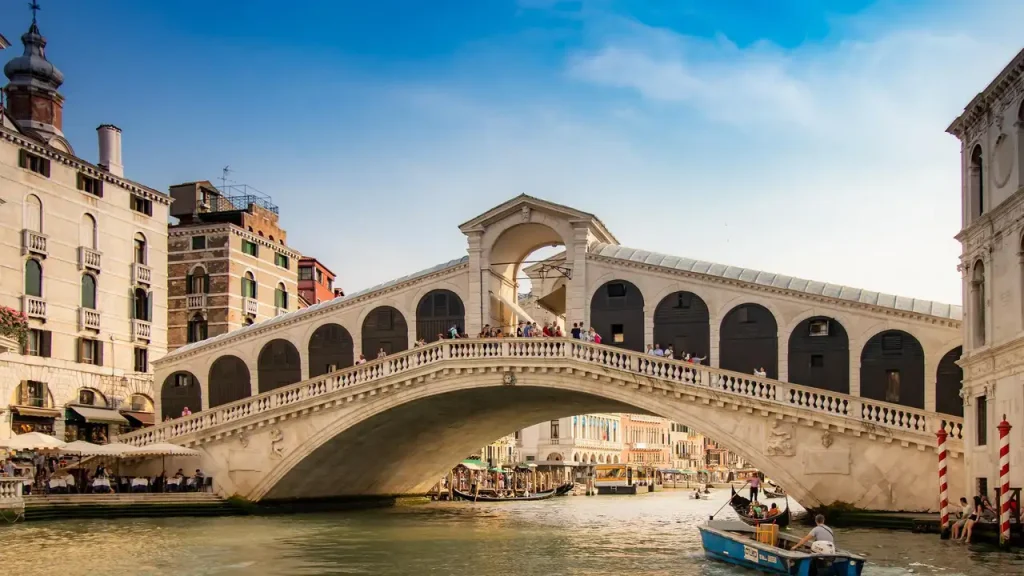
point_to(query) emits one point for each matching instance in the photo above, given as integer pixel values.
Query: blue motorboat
(765, 549)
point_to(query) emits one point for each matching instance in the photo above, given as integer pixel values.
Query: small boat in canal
(460, 495)
(564, 489)
(742, 505)
(771, 490)
(763, 548)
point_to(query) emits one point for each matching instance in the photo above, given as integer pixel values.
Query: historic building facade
(991, 133)
(83, 254)
(687, 446)
(580, 439)
(316, 281)
(646, 441)
(229, 266)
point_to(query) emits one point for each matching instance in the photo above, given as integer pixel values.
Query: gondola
(565, 489)
(741, 505)
(776, 493)
(482, 498)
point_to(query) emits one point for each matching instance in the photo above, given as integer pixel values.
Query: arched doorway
(437, 312)
(229, 381)
(384, 329)
(819, 355)
(617, 314)
(749, 340)
(948, 382)
(330, 348)
(179, 391)
(522, 261)
(892, 369)
(278, 365)
(682, 321)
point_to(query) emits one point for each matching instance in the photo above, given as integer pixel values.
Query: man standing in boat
(823, 540)
(755, 485)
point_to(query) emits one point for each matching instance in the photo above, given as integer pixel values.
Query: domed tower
(33, 102)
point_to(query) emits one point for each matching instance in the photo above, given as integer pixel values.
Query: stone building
(229, 266)
(646, 440)
(687, 447)
(991, 134)
(83, 255)
(582, 439)
(316, 281)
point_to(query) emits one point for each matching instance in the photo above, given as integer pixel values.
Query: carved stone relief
(826, 439)
(276, 437)
(780, 439)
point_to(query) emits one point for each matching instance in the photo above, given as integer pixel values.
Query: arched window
(978, 303)
(33, 213)
(281, 296)
(248, 285)
(198, 281)
(247, 322)
(88, 291)
(90, 397)
(87, 232)
(142, 305)
(976, 182)
(197, 330)
(140, 248)
(141, 403)
(33, 278)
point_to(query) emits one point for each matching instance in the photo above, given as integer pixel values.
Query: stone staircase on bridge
(839, 412)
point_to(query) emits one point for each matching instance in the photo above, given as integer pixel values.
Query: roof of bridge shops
(618, 252)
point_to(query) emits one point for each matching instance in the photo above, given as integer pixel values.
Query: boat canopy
(471, 464)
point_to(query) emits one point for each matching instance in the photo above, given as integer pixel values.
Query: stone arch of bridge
(331, 461)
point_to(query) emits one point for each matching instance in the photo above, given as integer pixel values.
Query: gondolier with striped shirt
(755, 484)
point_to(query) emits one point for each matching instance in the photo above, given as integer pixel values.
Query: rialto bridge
(857, 382)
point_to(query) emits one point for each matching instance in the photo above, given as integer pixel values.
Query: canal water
(651, 534)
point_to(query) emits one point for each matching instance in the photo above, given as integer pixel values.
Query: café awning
(35, 412)
(139, 418)
(516, 308)
(94, 415)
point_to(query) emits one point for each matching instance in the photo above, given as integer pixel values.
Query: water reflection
(653, 533)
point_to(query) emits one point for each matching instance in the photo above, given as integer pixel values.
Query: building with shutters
(228, 264)
(83, 255)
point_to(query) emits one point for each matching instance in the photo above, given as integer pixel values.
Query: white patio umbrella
(80, 447)
(32, 441)
(163, 450)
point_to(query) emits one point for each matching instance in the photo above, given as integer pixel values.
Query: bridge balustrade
(881, 414)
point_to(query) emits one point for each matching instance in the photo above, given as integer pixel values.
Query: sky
(803, 137)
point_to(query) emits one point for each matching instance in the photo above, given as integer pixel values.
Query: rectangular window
(281, 260)
(818, 328)
(618, 334)
(319, 276)
(33, 394)
(981, 407)
(90, 185)
(90, 351)
(892, 343)
(892, 386)
(142, 205)
(817, 361)
(141, 360)
(35, 163)
(250, 248)
(982, 486)
(305, 273)
(554, 429)
(37, 343)
(199, 242)
(616, 290)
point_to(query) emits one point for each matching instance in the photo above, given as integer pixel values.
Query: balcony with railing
(88, 259)
(88, 319)
(142, 274)
(33, 307)
(195, 301)
(250, 306)
(33, 242)
(278, 311)
(141, 330)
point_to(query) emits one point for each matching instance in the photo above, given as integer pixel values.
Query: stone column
(577, 308)
(931, 367)
(783, 355)
(254, 374)
(855, 350)
(715, 336)
(986, 257)
(649, 326)
(1019, 130)
(476, 306)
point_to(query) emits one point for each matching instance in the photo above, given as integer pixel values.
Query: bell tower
(33, 100)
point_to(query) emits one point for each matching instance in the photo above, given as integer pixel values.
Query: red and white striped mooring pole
(1004, 481)
(943, 495)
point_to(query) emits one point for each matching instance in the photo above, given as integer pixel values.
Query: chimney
(110, 149)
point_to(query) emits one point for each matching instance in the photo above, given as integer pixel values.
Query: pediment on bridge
(522, 205)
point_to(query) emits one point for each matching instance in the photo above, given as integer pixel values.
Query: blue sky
(801, 137)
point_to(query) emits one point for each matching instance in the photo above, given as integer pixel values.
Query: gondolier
(755, 483)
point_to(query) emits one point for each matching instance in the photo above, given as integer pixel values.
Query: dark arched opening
(948, 382)
(976, 182)
(437, 312)
(682, 321)
(617, 314)
(384, 329)
(179, 391)
(892, 369)
(819, 355)
(278, 365)
(229, 381)
(330, 348)
(749, 340)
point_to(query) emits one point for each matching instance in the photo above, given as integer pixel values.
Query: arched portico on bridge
(617, 314)
(179, 391)
(682, 321)
(279, 365)
(229, 380)
(437, 312)
(819, 354)
(892, 369)
(330, 348)
(384, 328)
(749, 340)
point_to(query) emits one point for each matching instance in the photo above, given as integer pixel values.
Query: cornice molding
(329, 307)
(182, 230)
(987, 107)
(833, 302)
(88, 169)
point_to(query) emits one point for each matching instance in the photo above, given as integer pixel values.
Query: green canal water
(652, 534)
